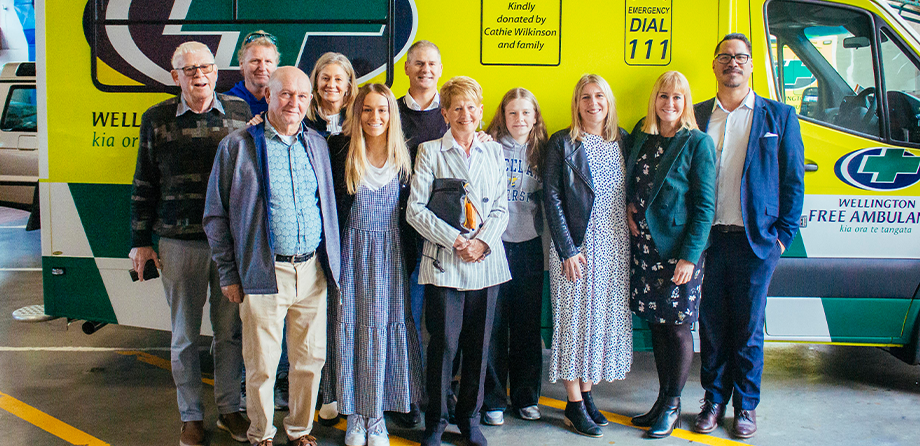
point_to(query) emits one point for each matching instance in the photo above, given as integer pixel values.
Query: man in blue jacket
(759, 193)
(271, 222)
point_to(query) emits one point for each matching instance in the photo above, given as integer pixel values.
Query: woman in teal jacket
(671, 177)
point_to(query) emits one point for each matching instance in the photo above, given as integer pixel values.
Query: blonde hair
(460, 87)
(498, 128)
(258, 41)
(315, 109)
(611, 130)
(189, 48)
(676, 83)
(356, 159)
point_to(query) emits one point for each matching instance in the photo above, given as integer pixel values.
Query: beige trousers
(301, 300)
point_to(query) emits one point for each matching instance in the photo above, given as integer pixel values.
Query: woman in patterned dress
(585, 204)
(671, 194)
(378, 362)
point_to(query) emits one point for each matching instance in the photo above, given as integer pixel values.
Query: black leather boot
(577, 417)
(648, 418)
(667, 420)
(595, 414)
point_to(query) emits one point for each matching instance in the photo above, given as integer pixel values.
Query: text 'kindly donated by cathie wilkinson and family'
(520, 33)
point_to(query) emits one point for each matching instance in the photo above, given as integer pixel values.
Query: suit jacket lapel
(757, 121)
(671, 153)
(456, 162)
(703, 112)
(476, 177)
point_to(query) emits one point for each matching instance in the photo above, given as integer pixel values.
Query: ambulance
(851, 69)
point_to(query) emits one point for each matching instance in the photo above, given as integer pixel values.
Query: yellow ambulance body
(851, 276)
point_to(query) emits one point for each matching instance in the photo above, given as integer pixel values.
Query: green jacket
(682, 204)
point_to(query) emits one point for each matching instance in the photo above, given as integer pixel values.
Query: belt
(725, 229)
(299, 258)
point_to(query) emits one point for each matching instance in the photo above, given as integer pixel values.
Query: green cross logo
(886, 166)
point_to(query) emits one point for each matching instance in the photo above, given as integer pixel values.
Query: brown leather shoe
(192, 434)
(306, 440)
(710, 416)
(745, 423)
(235, 424)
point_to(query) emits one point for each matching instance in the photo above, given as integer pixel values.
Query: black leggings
(673, 348)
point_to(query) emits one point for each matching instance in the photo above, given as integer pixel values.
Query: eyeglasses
(725, 58)
(191, 69)
(258, 35)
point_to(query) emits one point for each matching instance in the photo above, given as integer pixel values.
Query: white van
(18, 126)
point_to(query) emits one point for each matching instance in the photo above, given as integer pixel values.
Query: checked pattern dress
(378, 361)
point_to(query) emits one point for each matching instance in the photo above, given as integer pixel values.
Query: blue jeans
(187, 274)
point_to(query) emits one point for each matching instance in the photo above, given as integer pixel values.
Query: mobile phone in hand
(150, 271)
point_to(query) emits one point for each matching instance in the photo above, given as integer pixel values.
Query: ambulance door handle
(811, 166)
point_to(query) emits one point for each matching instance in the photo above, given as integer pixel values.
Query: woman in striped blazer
(461, 271)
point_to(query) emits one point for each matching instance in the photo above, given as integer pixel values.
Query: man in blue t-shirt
(258, 58)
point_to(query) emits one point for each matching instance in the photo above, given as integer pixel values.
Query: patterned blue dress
(592, 325)
(378, 357)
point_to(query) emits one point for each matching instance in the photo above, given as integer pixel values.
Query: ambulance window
(823, 62)
(902, 89)
(19, 112)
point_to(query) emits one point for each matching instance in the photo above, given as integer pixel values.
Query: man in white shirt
(759, 193)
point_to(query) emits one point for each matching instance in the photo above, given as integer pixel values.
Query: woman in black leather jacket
(585, 204)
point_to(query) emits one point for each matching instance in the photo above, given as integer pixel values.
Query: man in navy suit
(759, 193)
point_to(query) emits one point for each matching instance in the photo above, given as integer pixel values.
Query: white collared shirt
(475, 150)
(730, 131)
(435, 103)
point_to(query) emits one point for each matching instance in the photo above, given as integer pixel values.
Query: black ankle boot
(595, 414)
(648, 418)
(577, 417)
(667, 420)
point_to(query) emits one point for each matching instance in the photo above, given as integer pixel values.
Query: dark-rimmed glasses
(725, 58)
(191, 69)
(257, 35)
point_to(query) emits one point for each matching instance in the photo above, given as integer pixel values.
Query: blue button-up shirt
(296, 222)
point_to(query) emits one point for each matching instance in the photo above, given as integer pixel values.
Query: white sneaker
(377, 434)
(356, 431)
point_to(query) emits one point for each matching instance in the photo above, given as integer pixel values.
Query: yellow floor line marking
(48, 423)
(157, 361)
(627, 421)
(164, 364)
(544, 401)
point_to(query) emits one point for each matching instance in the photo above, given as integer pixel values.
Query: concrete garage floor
(59, 386)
